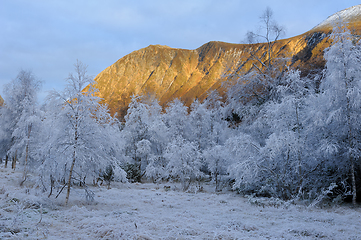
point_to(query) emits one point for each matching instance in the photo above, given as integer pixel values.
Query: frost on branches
(77, 130)
(20, 120)
(341, 102)
(297, 141)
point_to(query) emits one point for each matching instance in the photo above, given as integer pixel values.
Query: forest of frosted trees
(279, 135)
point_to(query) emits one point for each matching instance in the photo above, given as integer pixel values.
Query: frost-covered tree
(177, 121)
(77, 144)
(135, 130)
(269, 67)
(145, 137)
(20, 117)
(159, 138)
(183, 161)
(279, 162)
(243, 151)
(207, 123)
(25, 135)
(5, 133)
(338, 120)
(209, 130)
(217, 163)
(259, 84)
(283, 156)
(200, 120)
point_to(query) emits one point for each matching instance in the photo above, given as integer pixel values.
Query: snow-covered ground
(153, 211)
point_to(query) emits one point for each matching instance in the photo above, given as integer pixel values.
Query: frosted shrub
(183, 162)
(243, 150)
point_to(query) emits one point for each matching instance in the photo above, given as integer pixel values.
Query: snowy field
(154, 211)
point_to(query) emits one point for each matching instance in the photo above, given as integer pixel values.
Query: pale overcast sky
(48, 36)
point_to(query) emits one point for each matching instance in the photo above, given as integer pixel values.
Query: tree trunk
(217, 183)
(25, 165)
(27, 153)
(74, 158)
(6, 160)
(354, 196)
(26, 156)
(350, 137)
(69, 179)
(51, 185)
(300, 175)
(13, 165)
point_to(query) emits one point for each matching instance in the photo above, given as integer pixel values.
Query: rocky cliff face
(1, 101)
(168, 73)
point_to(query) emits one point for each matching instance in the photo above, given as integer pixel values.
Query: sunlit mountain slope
(169, 73)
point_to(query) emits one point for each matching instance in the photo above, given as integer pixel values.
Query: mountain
(168, 73)
(1, 101)
(350, 15)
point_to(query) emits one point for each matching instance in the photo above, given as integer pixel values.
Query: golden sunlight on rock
(168, 73)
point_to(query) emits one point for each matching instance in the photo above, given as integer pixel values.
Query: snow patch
(346, 15)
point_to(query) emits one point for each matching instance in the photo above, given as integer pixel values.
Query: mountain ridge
(351, 15)
(167, 73)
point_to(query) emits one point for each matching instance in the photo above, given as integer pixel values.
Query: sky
(48, 37)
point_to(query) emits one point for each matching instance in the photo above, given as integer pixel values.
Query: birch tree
(146, 137)
(268, 65)
(184, 161)
(78, 145)
(341, 98)
(20, 117)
